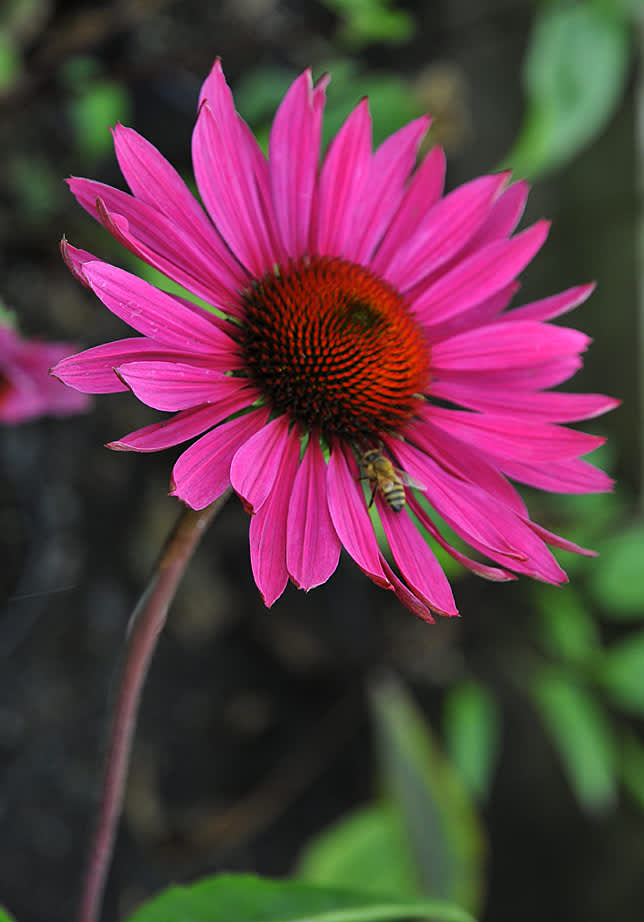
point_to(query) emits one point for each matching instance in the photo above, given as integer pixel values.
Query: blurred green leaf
(621, 672)
(10, 61)
(245, 898)
(574, 77)
(582, 735)
(100, 104)
(566, 626)
(439, 817)
(632, 767)
(472, 734)
(366, 21)
(617, 580)
(4, 916)
(367, 850)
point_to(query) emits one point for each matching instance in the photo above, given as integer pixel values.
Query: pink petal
(416, 562)
(574, 475)
(465, 507)
(506, 345)
(504, 216)
(487, 311)
(258, 462)
(155, 181)
(224, 170)
(157, 314)
(458, 458)
(481, 569)
(144, 231)
(92, 371)
(443, 231)
(185, 425)
(424, 190)
(389, 170)
(412, 602)
(533, 377)
(511, 439)
(312, 546)
(294, 151)
(174, 385)
(557, 541)
(268, 528)
(479, 276)
(74, 260)
(554, 306)
(202, 472)
(553, 407)
(489, 526)
(340, 187)
(349, 514)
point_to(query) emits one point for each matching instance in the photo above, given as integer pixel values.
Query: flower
(357, 309)
(27, 390)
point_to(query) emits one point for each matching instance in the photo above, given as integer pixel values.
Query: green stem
(146, 623)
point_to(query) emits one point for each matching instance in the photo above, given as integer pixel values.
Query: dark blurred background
(255, 729)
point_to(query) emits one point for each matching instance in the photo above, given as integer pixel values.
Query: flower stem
(146, 623)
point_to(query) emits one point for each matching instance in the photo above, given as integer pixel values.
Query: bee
(385, 478)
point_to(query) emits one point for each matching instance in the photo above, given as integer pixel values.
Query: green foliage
(632, 767)
(620, 671)
(617, 582)
(96, 104)
(366, 21)
(367, 850)
(4, 916)
(566, 626)
(246, 898)
(582, 734)
(472, 734)
(441, 824)
(574, 76)
(10, 61)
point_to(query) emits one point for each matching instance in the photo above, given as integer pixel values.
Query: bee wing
(410, 481)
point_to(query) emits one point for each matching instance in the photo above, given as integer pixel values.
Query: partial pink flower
(357, 308)
(27, 390)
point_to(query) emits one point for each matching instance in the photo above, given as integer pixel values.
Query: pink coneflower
(27, 390)
(358, 309)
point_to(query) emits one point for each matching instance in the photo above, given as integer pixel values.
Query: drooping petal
(479, 276)
(349, 515)
(312, 545)
(495, 574)
(294, 151)
(268, 528)
(461, 460)
(415, 560)
(405, 595)
(340, 187)
(506, 438)
(157, 314)
(93, 372)
(183, 426)
(209, 274)
(174, 385)
(257, 464)
(573, 475)
(202, 472)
